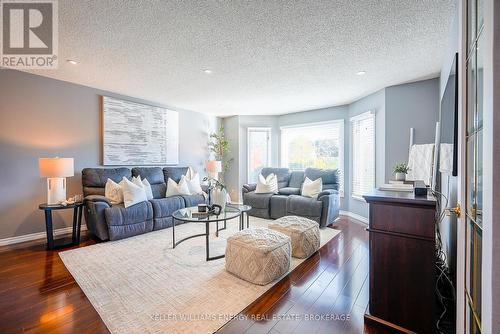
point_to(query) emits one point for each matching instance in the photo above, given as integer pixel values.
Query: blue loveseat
(113, 222)
(324, 209)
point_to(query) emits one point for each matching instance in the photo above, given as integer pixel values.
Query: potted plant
(219, 147)
(400, 171)
(217, 193)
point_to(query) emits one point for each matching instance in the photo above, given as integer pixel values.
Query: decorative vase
(400, 176)
(219, 197)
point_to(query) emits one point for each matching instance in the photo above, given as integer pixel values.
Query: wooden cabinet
(402, 261)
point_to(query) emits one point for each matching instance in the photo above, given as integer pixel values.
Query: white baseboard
(37, 236)
(353, 215)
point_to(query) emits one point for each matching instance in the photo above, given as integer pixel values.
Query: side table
(77, 224)
(244, 211)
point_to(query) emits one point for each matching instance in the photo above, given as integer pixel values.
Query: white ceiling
(267, 57)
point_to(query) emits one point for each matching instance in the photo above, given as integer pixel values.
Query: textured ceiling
(267, 57)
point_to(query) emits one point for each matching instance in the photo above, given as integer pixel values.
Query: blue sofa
(324, 209)
(113, 222)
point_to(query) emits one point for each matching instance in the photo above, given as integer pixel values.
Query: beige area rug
(142, 285)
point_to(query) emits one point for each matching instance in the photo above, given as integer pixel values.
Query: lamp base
(56, 190)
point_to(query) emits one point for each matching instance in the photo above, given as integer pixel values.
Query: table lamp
(214, 167)
(56, 170)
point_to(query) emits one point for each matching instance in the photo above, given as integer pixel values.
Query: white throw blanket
(446, 158)
(420, 163)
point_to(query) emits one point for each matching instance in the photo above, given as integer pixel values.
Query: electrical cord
(442, 268)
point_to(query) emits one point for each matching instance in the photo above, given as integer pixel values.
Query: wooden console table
(402, 261)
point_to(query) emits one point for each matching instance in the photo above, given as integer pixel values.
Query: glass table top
(191, 214)
(241, 207)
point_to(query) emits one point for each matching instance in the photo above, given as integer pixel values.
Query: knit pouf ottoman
(258, 255)
(303, 232)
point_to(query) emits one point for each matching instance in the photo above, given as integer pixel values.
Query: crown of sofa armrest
(328, 192)
(249, 187)
(96, 198)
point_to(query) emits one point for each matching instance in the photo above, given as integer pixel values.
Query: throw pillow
(176, 189)
(113, 192)
(133, 193)
(145, 184)
(312, 188)
(193, 184)
(268, 185)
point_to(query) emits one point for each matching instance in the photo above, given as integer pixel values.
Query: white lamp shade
(56, 167)
(214, 166)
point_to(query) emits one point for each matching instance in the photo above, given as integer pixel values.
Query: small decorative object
(217, 193)
(400, 171)
(219, 147)
(56, 170)
(202, 207)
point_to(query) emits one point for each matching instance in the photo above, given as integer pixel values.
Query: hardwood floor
(38, 294)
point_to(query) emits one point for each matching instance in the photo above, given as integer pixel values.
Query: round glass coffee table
(191, 215)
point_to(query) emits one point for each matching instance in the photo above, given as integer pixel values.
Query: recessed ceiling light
(361, 73)
(207, 71)
(72, 62)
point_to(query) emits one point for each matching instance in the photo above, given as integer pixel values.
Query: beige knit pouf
(303, 232)
(258, 255)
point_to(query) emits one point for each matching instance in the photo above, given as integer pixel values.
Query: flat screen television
(449, 119)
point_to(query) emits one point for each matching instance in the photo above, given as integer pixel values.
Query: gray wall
(414, 105)
(42, 117)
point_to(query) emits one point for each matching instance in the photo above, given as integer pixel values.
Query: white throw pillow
(113, 192)
(176, 189)
(132, 193)
(148, 189)
(312, 188)
(193, 184)
(268, 185)
(145, 184)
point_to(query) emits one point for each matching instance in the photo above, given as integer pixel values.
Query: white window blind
(363, 153)
(318, 145)
(258, 152)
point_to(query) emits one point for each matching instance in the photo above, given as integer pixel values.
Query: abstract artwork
(138, 134)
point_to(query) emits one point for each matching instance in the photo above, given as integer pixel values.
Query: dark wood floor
(38, 294)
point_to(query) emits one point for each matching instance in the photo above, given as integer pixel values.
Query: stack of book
(393, 185)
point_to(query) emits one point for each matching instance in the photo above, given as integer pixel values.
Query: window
(259, 151)
(363, 153)
(319, 145)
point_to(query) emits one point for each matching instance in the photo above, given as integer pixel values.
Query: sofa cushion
(127, 222)
(283, 175)
(258, 201)
(278, 206)
(174, 173)
(304, 207)
(165, 207)
(94, 179)
(289, 191)
(296, 179)
(155, 177)
(330, 177)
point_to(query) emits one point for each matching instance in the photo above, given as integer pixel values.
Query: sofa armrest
(96, 198)
(328, 192)
(330, 199)
(249, 187)
(94, 215)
